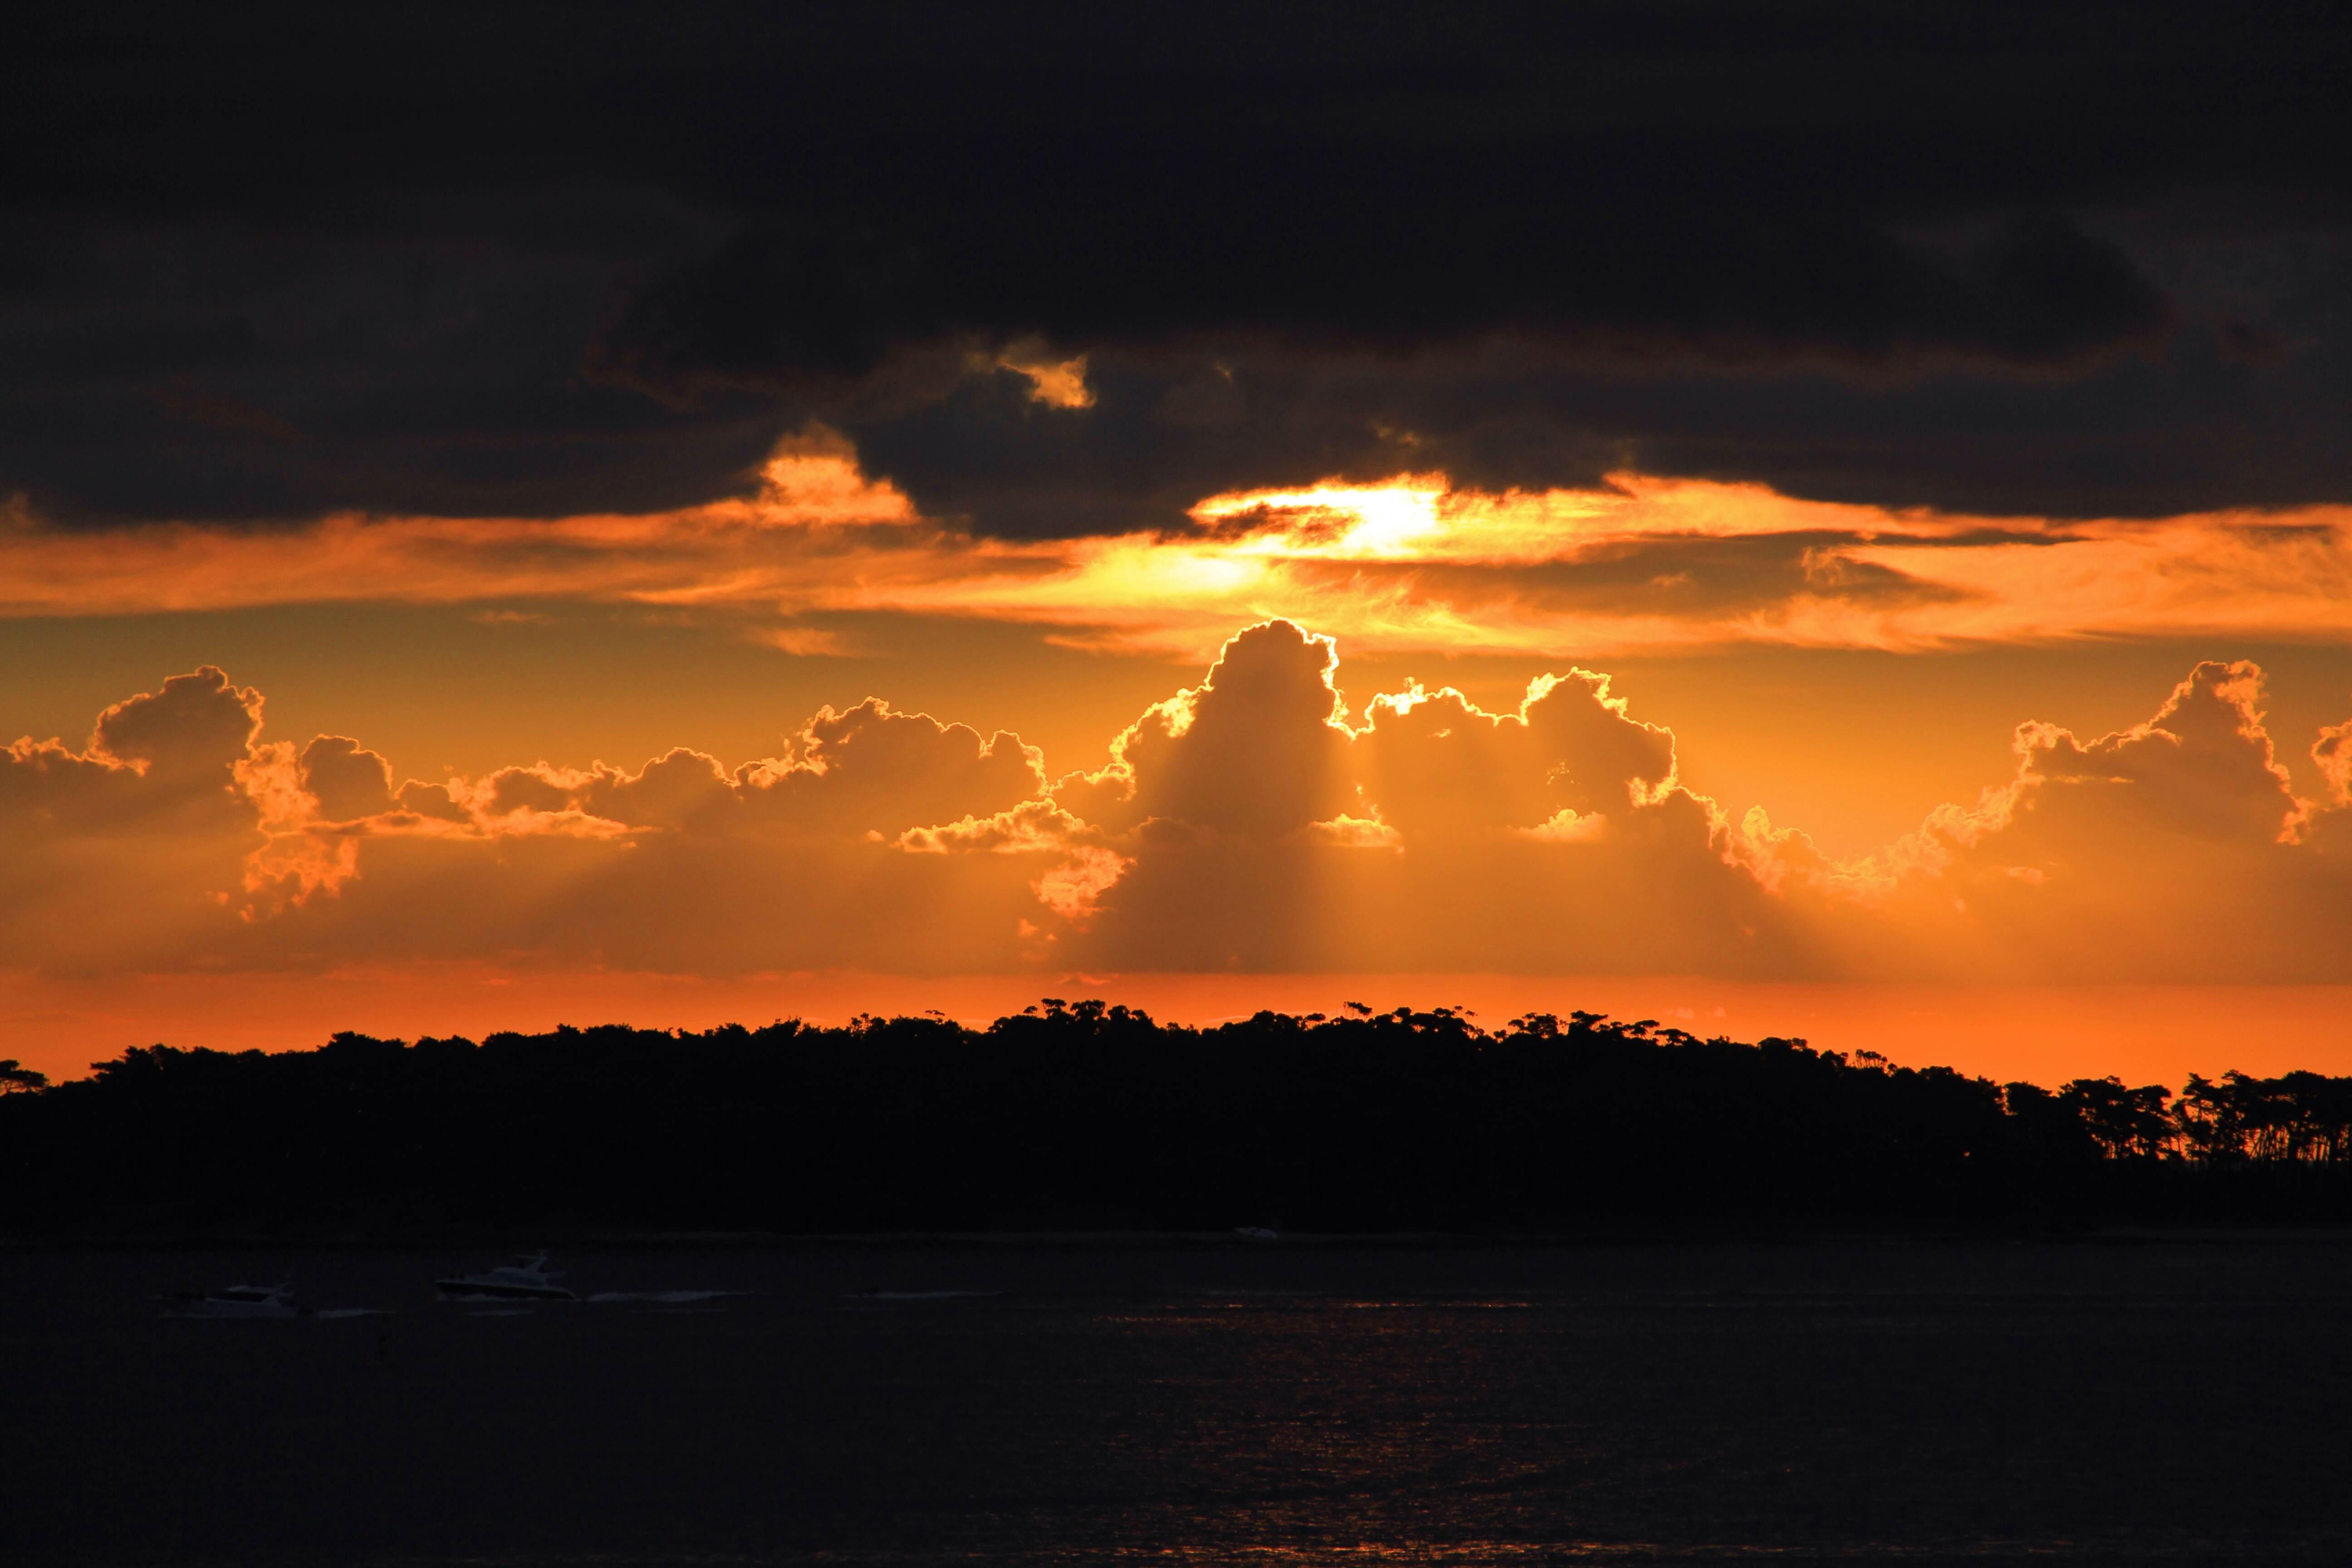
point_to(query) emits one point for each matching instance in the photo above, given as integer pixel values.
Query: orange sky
(2047, 1033)
(2027, 795)
(1645, 566)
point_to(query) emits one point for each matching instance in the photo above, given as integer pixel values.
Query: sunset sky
(1805, 520)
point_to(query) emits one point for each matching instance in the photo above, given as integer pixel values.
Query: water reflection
(1002, 1406)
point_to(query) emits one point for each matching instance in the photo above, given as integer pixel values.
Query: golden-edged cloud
(1409, 562)
(1249, 822)
(128, 850)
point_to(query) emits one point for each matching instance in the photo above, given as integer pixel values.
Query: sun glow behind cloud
(1395, 521)
(1642, 564)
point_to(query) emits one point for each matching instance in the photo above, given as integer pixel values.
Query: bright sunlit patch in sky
(1641, 565)
(1343, 522)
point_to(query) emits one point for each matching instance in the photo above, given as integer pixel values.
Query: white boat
(526, 1281)
(236, 1301)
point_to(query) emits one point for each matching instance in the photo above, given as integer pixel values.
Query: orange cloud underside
(1648, 564)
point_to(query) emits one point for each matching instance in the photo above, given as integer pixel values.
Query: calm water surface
(1196, 1405)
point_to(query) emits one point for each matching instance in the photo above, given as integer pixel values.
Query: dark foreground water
(1197, 1406)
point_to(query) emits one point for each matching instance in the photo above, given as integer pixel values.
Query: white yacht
(236, 1301)
(525, 1280)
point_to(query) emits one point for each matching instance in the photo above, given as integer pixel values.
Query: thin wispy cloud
(1412, 562)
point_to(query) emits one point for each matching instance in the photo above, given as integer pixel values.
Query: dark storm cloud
(792, 308)
(262, 265)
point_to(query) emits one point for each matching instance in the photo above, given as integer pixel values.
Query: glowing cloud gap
(1645, 565)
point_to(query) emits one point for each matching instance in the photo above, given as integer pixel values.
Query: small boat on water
(525, 1280)
(236, 1301)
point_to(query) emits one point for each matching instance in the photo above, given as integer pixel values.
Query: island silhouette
(1090, 1117)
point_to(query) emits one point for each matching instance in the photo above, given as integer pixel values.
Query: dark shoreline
(1090, 1119)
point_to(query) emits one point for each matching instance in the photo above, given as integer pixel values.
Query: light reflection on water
(1072, 1405)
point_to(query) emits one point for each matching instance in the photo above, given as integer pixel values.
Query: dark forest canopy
(1096, 1117)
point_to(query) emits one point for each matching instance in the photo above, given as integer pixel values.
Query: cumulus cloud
(431, 800)
(178, 835)
(127, 850)
(1257, 820)
(195, 725)
(1247, 804)
(1258, 749)
(875, 770)
(1557, 839)
(2176, 848)
(1088, 865)
(2332, 752)
(160, 763)
(1438, 764)
(346, 779)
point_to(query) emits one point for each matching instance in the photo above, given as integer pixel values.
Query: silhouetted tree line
(1087, 1116)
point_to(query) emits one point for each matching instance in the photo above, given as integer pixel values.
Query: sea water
(1116, 1402)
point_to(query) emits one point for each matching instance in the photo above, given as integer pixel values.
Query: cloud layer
(1411, 562)
(1252, 822)
(1063, 273)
